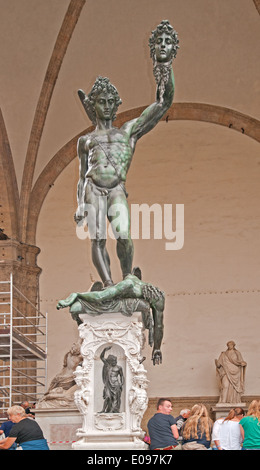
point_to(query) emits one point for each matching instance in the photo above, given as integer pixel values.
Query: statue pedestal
(59, 426)
(221, 410)
(118, 430)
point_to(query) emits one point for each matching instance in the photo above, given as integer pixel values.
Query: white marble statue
(231, 372)
(62, 388)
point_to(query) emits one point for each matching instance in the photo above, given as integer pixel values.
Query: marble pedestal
(59, 426)
(120, 430)
(221, 410)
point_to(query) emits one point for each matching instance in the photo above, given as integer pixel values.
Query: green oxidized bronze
(113, 380)
(105, 156)
(127, 296)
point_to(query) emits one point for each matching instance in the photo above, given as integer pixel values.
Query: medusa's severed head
(163, 43)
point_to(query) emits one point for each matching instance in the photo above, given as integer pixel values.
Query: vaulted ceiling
(51, 48)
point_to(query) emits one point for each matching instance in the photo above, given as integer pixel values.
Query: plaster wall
(211, 284)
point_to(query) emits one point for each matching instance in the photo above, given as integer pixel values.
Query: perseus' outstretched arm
(153, 113)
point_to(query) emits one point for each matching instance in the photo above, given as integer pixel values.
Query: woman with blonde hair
(197, 430)
(250, 427)
(26, 431)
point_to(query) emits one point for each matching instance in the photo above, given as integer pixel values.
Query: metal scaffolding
(23, 348)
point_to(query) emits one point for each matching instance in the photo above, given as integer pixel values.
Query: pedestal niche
(112, 353)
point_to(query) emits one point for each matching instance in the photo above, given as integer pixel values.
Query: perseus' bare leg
(101, 260)
(119, 217)
(96, 222)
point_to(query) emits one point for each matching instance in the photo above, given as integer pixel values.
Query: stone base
(123, 338)
(111, 442)
(59, 426)
(221, 410)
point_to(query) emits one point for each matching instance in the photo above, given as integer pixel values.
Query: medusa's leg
(67, 302)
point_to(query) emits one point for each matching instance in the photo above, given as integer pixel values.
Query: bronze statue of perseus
(105, 154)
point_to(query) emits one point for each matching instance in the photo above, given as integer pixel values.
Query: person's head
(112, 360)
(25, 404)
(16, 413)
(163, 42)
(164, 406)
(236, 413)
(75, 349)
(254, 409)
(103, 100)
(199, 420)
(231, 344)
(185, 413)
(199, 410)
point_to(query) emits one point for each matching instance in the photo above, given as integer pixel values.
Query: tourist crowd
(195, 430)
(191, 430)
(21, 431)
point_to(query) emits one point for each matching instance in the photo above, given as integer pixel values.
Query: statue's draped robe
(231, 369)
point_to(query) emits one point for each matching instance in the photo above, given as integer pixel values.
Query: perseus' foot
(108, 283)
